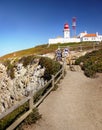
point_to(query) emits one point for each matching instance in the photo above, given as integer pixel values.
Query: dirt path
(75, 105)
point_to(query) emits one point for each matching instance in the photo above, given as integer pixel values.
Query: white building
(92, 37)
(80, 38)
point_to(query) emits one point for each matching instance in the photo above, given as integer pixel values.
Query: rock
(2, 68)
(2, 109)
(26, 80)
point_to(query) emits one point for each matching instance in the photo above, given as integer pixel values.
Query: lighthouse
(66, 31)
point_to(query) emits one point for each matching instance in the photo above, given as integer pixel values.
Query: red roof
(90, 35)
(66, 26)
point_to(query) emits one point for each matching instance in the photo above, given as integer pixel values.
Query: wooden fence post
(31, 100)
(63, 71)
(64, 63)
(53, 82)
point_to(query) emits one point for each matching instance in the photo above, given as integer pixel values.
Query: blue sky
(27, 23)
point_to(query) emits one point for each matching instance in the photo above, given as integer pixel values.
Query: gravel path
(75, 105)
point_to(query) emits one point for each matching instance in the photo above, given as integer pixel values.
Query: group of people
(59, 54)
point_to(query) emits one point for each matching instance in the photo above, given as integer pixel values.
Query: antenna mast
(74, 25)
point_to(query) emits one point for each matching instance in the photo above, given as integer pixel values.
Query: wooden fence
(54, 80)
(30, 99)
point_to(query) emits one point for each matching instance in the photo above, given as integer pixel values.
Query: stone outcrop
(26, 80)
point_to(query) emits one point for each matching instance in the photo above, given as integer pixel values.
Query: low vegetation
(45, 48)
(52, 67)
(7, 120)
(91, 63)
(10, 68)
(11, 64)
(32, 118)
(27, 60)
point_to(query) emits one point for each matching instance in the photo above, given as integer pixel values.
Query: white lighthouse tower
(66, 31)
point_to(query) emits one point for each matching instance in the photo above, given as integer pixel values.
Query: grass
(41, 49)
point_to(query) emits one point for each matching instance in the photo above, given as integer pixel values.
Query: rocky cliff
(26, 79)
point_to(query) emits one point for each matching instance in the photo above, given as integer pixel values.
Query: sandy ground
(75, 105)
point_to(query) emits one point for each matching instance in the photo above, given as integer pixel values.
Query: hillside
(23, 71)
(43, 49)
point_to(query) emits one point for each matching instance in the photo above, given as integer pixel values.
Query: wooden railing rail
(14, 107)
(55, 78)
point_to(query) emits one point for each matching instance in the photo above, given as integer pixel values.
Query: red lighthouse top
(66, 26)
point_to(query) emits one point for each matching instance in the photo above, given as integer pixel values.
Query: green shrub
(90, 71)
(79, 60)
(6, 62)
(99, 67)
(10, 68)
(55, 87)
(10, 71)
(26, 60)
(38, 95)
(32, 118)
(10, 118)
(41, 92)
(52, 67)
(92, 63)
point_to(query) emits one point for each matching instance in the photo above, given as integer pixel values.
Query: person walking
(67, 55)
(58, 54)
